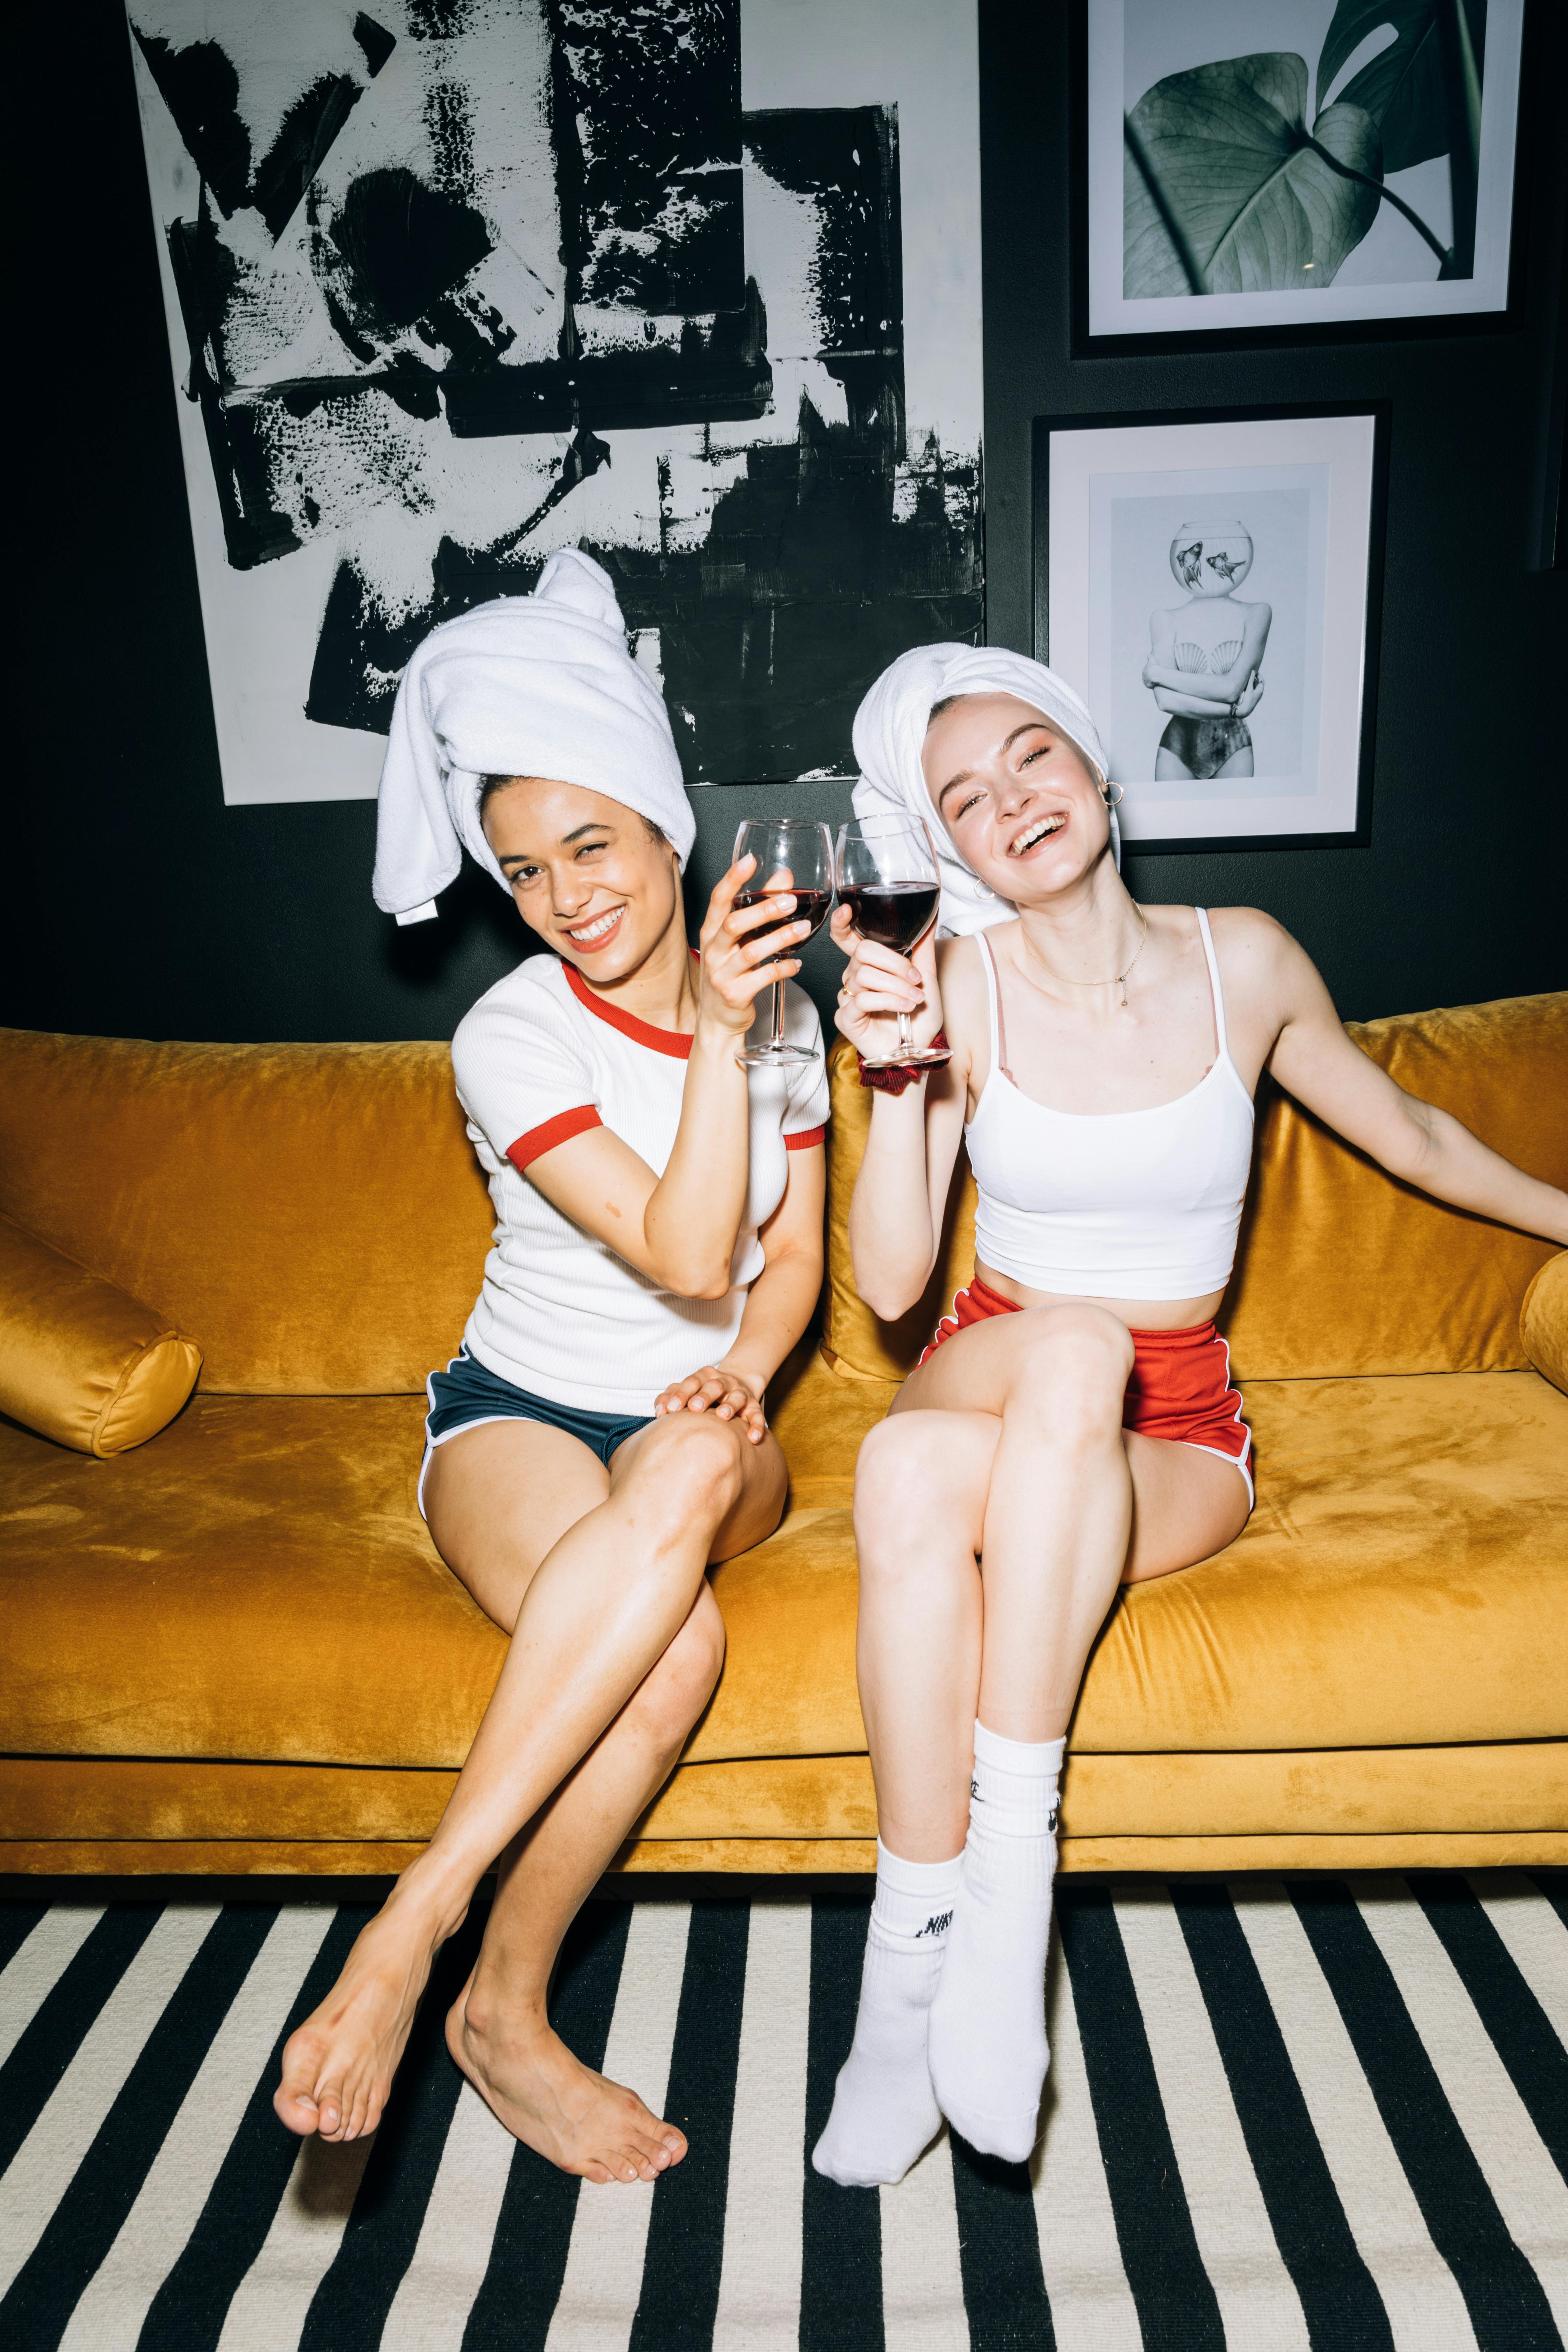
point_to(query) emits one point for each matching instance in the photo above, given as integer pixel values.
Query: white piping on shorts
(431, 1442)
(1221, 1456)
(461, 1431)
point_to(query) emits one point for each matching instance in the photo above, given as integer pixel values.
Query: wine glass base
(918, 1058)
(764, 1057)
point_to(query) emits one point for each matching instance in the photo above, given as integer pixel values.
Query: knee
(1071, 1369)
(691, 1468)
(684, 1680)
(898, 1468)
(905, 1488)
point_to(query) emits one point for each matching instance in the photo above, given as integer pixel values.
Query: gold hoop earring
(1120, 796)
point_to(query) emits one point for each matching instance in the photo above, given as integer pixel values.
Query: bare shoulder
(958, 970)
(961, 976)
(1264, 970)
(1253, 944)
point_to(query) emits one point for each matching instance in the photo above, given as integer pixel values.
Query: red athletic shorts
(1180, 1387)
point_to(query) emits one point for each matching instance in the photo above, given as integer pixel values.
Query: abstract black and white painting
(1270, 164)
(694, 284)
(1210, 586)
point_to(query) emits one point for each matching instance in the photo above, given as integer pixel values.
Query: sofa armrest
(82, 1361)
(1543, 1321)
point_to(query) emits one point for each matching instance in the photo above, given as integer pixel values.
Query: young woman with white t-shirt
(601, 1437)
(1072, 1426)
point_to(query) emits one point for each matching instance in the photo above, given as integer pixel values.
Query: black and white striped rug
(1328, 2113)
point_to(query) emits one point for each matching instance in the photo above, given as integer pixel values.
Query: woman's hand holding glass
(879, 984)
(722, 1391)
(738, 964)
(885, 872)
(793, 874)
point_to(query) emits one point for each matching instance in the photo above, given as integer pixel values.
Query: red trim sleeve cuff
(559, 1129)
(803, 1141)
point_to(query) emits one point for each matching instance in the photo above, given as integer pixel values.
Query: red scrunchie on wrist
(894, 1076)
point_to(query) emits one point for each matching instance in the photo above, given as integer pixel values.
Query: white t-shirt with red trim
(540, 1058)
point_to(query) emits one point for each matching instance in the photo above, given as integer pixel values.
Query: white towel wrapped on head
(890, 729)
(528, 686)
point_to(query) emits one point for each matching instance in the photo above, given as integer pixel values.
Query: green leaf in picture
(1403, 87)
(1259, 209)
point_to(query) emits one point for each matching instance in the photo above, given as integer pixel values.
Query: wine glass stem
(907, 1031)
(777, 1038)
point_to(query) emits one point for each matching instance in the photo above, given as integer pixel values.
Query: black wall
(141, 906)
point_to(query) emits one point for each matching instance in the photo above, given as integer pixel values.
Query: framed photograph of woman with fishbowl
(1210, 582)
(1256, 172)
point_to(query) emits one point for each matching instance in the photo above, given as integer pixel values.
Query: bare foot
(338, 2066)
(555, 2105)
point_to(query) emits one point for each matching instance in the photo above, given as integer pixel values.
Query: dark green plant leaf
(1401, 88)
(1260, 210)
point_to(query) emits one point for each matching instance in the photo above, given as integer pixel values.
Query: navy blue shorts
(467, 1393)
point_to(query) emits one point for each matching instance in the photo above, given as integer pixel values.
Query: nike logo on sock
(936, 1926)
(1056, 1816)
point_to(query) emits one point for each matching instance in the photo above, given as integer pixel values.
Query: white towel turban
(890, 729)
(528, 685)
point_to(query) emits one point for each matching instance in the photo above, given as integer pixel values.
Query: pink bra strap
(993, 995)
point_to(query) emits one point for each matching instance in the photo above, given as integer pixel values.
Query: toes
(295, 2100)
(652, 2156)
(297, 2110)
(329, 2107)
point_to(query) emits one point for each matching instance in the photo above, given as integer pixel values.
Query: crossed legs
(617, 1643)
(996, 1510)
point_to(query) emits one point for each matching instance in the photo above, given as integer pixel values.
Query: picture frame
(1146, 527)
(1208, 212)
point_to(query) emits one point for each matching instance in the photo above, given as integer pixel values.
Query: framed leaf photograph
(1259, 167)
(1210, 582)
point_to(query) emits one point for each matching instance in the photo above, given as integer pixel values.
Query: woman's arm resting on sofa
(779, 1306)
(1328, 1074)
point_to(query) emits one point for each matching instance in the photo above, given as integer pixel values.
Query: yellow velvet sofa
(233, 1648)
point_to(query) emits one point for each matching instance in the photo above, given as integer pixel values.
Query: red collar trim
(641, 1032)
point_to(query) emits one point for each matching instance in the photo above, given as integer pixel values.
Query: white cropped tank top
(1112, 1204)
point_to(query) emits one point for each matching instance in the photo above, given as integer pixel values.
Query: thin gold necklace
(1120, 980)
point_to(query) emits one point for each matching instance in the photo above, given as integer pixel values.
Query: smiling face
(588, 875)
(1019, 799)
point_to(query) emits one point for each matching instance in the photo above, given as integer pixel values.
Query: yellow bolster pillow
(80, 1361)
(1543, 1321)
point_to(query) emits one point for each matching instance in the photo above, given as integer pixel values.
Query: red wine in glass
(885, 873)
(897, 915)
(811, 907)
(793, 854)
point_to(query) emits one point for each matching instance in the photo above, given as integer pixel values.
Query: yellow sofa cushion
(1340, 1269)
(80, 1361)
(315, 1212)
(1543, 1321)
(258, 1585)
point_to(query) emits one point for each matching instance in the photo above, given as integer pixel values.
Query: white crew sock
(987, 2044)
(884, 2111)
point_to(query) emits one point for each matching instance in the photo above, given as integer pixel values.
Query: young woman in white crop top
(1072, 1426)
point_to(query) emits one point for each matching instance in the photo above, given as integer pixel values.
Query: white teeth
(596, 930)
(1037, 833)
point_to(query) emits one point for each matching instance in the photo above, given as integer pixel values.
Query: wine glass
(886, 875)
(793, 853)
